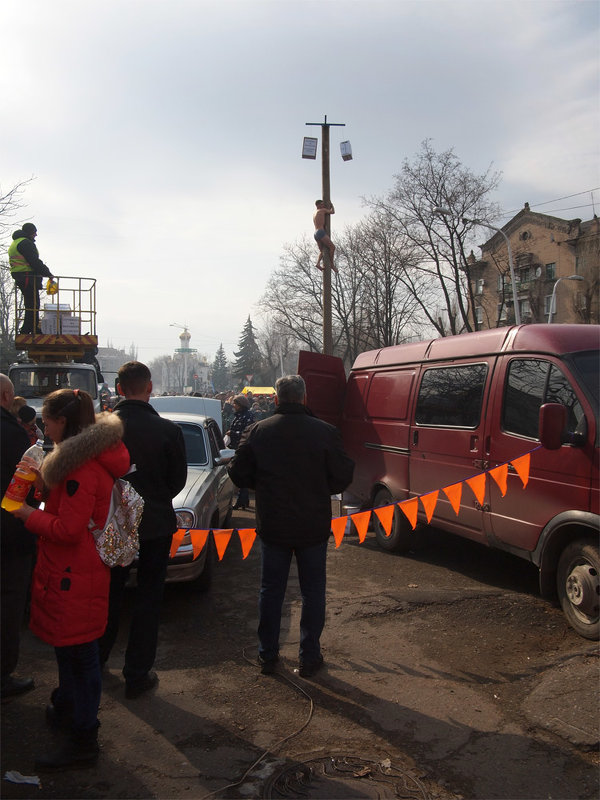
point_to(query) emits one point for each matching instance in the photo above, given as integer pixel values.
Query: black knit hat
(26, 414)
(29, 229)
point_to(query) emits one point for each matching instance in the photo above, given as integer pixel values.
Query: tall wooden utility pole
(327, 333)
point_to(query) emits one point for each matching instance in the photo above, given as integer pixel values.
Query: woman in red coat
(69, 596)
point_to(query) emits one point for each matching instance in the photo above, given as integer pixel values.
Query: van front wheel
(578, 585)
(401, 537)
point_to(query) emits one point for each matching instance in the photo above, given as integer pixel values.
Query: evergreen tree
(248, 359)
(220, 371)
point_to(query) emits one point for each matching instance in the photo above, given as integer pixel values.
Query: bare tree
(10, 202)
(440, 180)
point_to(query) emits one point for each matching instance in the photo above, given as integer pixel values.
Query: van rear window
(451, 396)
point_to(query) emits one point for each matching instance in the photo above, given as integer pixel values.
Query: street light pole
(327, 321)
(446, 213)
(553, 298)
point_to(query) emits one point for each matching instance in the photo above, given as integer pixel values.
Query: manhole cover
(342, 778)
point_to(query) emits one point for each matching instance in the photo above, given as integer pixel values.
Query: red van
(420, 417)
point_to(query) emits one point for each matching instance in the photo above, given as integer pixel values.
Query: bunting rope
(361, 519)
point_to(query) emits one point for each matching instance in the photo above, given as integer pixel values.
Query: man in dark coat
(157, 449)
(27, 269)
(17, 548)
(294, 462)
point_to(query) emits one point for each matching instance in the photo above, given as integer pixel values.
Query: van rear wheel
(578, 584)
(401, 538)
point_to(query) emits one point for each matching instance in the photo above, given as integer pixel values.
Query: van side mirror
(553, 419)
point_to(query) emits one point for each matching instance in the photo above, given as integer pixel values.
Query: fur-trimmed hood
(71, 454)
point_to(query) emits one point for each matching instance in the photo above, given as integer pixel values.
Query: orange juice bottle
(19, 487)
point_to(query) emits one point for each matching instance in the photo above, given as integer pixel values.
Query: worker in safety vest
(27, 269)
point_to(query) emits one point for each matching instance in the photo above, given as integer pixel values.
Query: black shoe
(134, 689)
(308, 670)
(267, 665)
(76, 753)
(12, 686)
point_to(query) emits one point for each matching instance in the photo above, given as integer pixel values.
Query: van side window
(530, 383)
(451, 396)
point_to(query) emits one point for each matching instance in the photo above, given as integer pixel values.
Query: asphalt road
(446, 677)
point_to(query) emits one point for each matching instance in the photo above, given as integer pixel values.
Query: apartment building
(547, 252)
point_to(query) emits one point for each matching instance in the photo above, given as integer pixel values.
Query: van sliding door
(446, 441)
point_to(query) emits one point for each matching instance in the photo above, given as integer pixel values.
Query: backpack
(118, 542)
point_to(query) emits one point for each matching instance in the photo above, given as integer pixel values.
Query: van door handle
(415, 437)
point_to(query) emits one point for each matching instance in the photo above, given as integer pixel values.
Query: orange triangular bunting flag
(410, 508)
(247, 537)
(477, 485)
(499, 474)
(338, 526)
(177, 539)
(386, 515)
(361, 523)
(429, 503)
(222, 538)
(522, 466)
(454, 493)
(198, 541)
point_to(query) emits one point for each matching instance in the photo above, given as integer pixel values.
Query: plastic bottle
(19, 487)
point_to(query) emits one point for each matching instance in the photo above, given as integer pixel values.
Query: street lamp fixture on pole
(553, 298)
(447, 213)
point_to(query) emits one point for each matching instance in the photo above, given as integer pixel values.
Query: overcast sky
(164, 136)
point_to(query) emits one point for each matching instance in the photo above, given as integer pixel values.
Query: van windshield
(34, 383)
(587, 367)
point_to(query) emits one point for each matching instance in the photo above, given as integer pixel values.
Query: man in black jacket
(157, 449)
(27, 269)
(294, 462)
(17, 548)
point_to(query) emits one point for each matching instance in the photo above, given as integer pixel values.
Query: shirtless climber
(321, 237)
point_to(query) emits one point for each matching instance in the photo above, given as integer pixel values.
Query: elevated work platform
(64, 322)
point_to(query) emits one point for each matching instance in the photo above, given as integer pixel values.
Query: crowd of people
(50, 555)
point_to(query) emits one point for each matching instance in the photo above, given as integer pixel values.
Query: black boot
(59, 715)
(78, 752)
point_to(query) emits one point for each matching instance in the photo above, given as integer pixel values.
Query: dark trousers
(79, 684)
(143, 633)
(312, 569)
(16, 577)
(28, 283)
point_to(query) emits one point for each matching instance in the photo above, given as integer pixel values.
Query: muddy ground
(446, 677)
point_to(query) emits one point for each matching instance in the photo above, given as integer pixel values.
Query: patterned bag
(118, 542)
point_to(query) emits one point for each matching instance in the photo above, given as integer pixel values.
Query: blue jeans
(79, 683)
(312, 569)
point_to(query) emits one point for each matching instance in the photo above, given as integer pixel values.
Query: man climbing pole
(321, 237)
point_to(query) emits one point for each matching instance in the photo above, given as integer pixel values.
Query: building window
(502, 312)
(479, 286)
(551, 271)
(547, 301)
(579, 263)
(525, 308)
(479, 314)
(501, 282)
(523, 276)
